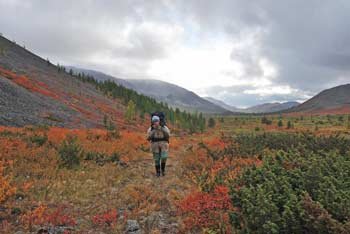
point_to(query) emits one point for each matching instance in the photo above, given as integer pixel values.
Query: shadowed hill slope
(329, 99)
(175, 96)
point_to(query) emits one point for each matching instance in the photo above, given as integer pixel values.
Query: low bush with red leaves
(202, 210)
(108, 219)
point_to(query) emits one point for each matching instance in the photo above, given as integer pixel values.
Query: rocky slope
(34, 91)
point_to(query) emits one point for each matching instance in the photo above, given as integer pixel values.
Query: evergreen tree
(211, 122)
(142, 115)
(265, 120)
(202, 122)
(280, 123)
(105, 119)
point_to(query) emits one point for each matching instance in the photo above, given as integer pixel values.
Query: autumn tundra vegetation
(243, 174)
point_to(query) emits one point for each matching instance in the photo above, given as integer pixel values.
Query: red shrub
(59, 218)
(42, 216)
(207, 210)
(107, 219)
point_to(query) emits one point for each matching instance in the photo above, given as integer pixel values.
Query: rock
(133, 227)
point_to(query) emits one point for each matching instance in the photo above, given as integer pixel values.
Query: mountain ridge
(329, 99)
(261, 108)
(174, 95)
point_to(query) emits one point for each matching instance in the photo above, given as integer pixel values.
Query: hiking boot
(157, 170)
(163, 168)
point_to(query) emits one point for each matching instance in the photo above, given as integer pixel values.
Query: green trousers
(158, 157)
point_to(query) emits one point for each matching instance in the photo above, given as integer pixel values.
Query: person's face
(156, 124)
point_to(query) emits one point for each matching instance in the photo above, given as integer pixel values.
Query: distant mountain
(173, 95)
(100, 76)
(271, 107)
(334, 98)
(262, 108)
(223, 104)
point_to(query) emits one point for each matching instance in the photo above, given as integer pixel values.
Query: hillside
(333, 99)
(271, 107)
(36, 92)
(174, 95)
(100, 76)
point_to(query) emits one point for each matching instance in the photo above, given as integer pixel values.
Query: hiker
(158, 134)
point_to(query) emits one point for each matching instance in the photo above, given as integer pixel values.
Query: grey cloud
(236, 96)
(308, 41)
(72, 32)
(250, 61)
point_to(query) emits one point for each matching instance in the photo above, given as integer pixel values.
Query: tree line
(141, 104)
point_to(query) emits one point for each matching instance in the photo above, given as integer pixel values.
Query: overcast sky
(241, 52)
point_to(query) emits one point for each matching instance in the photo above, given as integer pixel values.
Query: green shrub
(280, 123)
(38, 140)
(246, 145)
(211, 122)
(115, 157)
(70, 152)
(265, 120)
(294, 193)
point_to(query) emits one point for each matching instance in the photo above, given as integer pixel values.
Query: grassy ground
(101, 194)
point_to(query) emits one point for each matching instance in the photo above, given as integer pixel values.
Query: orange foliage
(6, 188)
(34, 217)
(200, 164)
(33, 85)
(216, 144)
(42, 216)
(207, 210)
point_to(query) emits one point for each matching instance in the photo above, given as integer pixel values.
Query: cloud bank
(242, 52)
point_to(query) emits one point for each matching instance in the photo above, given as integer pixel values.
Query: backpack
(161, 116)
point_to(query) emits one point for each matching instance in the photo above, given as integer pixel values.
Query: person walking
(158, 135)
